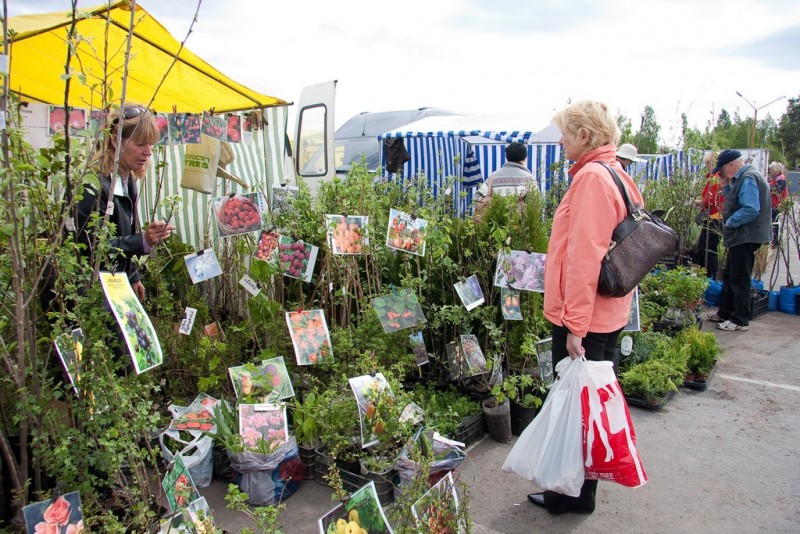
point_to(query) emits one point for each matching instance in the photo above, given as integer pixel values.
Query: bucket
(772, 303)
(787, 301)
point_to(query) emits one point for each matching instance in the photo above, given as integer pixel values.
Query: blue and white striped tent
(470, 148)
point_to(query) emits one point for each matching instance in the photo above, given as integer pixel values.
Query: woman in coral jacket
(584, 323)
(711, 203)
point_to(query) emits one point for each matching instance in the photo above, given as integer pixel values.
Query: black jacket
(127, 239)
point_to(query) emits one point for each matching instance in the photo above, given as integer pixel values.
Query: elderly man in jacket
(746, 226)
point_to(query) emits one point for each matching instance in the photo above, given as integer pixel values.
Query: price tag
(70, 224)
(3, 64)
(448, 191)
(110, 207)
(188, 321)
(2, 120)
(250, 285)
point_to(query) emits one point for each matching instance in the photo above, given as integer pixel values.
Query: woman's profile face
(135, 156)
(573, 148)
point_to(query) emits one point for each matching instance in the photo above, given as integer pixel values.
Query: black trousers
(734, 301)
(598, 347)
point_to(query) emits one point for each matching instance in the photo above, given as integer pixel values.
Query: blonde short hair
(710, 160)
(590, 117)
(776, 166)
(139, 128)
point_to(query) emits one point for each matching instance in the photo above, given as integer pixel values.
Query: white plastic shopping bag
(610, 440)
(549, 452)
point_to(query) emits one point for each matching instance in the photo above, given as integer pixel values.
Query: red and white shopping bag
(609, 439)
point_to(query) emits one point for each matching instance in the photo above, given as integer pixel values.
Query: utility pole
(755, 115)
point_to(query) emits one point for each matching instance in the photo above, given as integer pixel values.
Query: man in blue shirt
(747, 225)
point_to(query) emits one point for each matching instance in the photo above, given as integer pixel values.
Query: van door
(314, 131)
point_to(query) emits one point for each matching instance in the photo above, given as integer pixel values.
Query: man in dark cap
(513, 178)
(746, 226)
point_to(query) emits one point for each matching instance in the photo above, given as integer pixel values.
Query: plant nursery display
(438, 509)
(418, 348)
(178, 485)
(202, 265)
(361, 512)
(267, 246)
(263, 424)
(238, 214)
(194, 518)
(62, 515)
(296, 259)
(406, 232)
(470, 293)
(510, 304)
(138, 331)
(282, 198)
(268, 382)
(69, 347)
(398, 310)
(198, 415)
(347, 234)
(370, 392)
(310, 336)
(520, 270)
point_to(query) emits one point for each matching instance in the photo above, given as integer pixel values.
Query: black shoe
(537, 499)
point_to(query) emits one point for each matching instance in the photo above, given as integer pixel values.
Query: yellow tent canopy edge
(38, 52)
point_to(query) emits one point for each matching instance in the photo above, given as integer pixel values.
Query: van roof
(374, 123)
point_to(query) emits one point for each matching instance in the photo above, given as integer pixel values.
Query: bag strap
(620, 186)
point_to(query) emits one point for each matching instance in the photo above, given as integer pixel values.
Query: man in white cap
(627, 154)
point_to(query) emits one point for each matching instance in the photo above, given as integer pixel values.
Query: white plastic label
(250, 285)
(626, 346)
(188, 321)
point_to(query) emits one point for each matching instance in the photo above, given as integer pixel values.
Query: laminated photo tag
(250, 285)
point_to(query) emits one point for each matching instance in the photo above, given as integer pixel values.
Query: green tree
(625, 128)
(789, 133)
(646, 139)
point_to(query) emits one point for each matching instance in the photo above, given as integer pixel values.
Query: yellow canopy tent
(38, 52)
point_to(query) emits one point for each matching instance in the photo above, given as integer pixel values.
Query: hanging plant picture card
(634, 321)
(283, 196)
(544, 353)
(510, 304)
(62, 514)
(406, 232)
(178, 485)
(372, 393)
(265, 422)
(238, 214)
(398, 310)
(214, 126)
(455, 360)
(202, 265)
(267, 246)
(362, 508)
(69, 347)
(296, 259)
(473, 355)
(418, 348)
(521, 270)
(470, 292)
(199, 415)
(437, 509)
(195, 518)
(138, 331)
(310, 336)
(268, 382)
(347, 234)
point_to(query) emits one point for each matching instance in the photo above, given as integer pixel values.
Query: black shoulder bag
(638, 243)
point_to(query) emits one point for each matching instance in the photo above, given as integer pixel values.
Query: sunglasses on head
(131, 113)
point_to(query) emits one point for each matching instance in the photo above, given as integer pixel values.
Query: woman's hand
(138, 289)
(574, 346)
(157, 231)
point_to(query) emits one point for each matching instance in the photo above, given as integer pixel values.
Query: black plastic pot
(498, 419)
(520, 417)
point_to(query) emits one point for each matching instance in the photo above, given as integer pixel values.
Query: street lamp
(755, 115)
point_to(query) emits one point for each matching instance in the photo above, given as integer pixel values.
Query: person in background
(746, 226)
(627, 154)
(134, 128)
(711, 202)
(778, 193)
(513, 178)
(584, 322)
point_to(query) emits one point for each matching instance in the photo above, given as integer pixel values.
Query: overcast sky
(499, 57)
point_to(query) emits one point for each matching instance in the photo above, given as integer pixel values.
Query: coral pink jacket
(582, 228)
